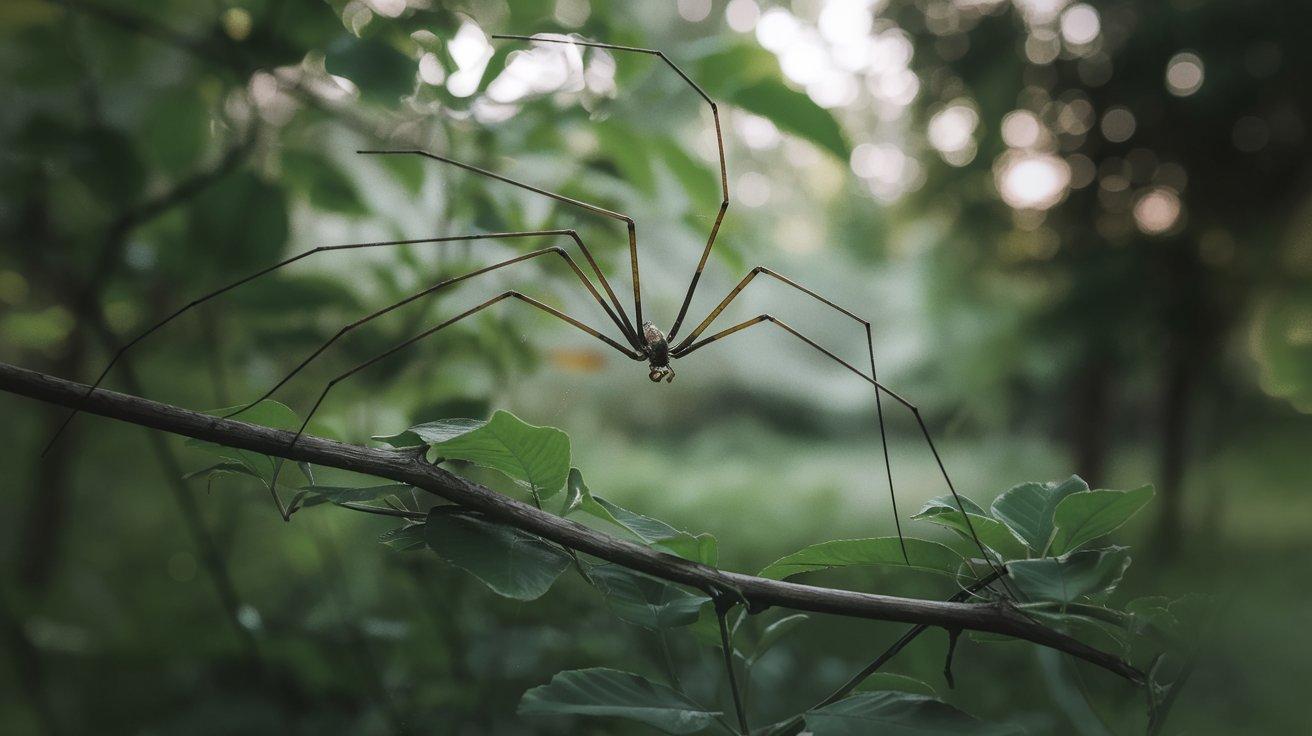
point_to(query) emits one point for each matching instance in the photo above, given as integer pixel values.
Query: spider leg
(428, 333)
(624, 328)
(594, 209)
(915, 411)
(719, 144)
(870, 349)
(444, 283)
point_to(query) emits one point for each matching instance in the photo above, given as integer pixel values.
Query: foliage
(1060, 577)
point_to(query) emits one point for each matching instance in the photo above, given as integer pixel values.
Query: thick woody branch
(408, 468)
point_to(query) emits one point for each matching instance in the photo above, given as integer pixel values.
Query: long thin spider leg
(426, 292)
(594, 209)
(719, 145)
(870, 348)
(118, 354)
(431, 331)
(878, 387)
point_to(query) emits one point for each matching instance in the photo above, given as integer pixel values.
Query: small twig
(726, 644)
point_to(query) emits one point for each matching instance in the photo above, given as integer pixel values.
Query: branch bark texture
(411, 469)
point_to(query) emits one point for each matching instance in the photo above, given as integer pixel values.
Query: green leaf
(1027, 509)
(994, 534)
(646, 601)
(775, 633)
(405, 538)
(1084, 574)
(431, 432)
(511, 562)
(1085, 516)
(224, 468)
(923, 555)
(884, 681)
(535, 456)
(267, 413)
(342, 494)
(793, 112)
(652, 532)
(574, 490)
(895, 714)
(605, 692)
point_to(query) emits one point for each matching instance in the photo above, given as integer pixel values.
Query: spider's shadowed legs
(286, 513)
(625, 327)
(915, 411)
(719, 146)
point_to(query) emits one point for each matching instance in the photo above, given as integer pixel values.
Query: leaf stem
(726, 645)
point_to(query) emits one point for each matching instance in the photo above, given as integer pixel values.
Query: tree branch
(408, 468)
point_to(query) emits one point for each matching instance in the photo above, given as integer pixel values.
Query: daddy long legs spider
(640, 340)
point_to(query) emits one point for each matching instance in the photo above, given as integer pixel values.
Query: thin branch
(404, 467)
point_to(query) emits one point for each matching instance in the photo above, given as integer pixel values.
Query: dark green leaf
(895, 714)
(239, 223)
(793, 112)
(606, 692)
(923, 555)
(644, 600)
(1028, 509)
(1083, 517)
(1084, 574)
(511, 562)
(267, 413)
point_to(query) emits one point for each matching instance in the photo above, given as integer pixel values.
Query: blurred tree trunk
(1090, 416)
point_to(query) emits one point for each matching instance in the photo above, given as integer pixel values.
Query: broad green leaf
(644, 600)
(793, 112)
(605, 692)
(267, 413)
(775, 633)
(381, 72)
(1083, 517)
(653, 532)
(405, 538)
(890, 713)
(343, 494)
(993, 533)
(1027, 509)
(431, 432)
(1095, 632)
(923, 555)
(511, 562)
(948, 502)
(1083, 574)
(535, 456)
(885, 681)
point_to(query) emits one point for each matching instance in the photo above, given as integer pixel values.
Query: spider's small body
(657, 349)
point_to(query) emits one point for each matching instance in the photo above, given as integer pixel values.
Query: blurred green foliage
(156, 151)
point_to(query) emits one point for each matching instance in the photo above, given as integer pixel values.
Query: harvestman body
(645, 342)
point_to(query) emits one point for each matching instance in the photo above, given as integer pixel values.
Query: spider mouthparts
(661, 372)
